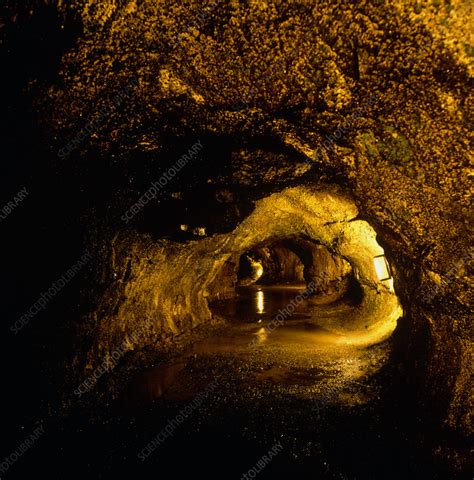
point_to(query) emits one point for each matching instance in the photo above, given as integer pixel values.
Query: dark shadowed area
(237, 239)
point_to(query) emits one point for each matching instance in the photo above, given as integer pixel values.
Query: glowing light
(257, 269)
(382, 268)
(260, 302)
(200, 231)
(262, 335)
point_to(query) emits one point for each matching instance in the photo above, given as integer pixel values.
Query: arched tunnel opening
(256, 284)
(301, 278)
(238, 239)
(303, 301)
(312, 258)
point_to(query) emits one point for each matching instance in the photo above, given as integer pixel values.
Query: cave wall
(376, 96)
(330, 274)
(225, 282)
(162, 288)
(280, 265)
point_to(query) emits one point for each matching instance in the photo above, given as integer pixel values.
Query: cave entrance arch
(270, 276)
(177, 295)
(328, 219)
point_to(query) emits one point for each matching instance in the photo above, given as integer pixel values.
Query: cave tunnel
(294, 262)
(288, 249)
(237, 239)
(257, 283)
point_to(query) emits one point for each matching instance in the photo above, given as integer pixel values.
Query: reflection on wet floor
(260, 302)
(336, 410)
(297, 358)
(257, 302)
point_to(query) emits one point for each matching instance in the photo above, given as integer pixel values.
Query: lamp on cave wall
(382, 268)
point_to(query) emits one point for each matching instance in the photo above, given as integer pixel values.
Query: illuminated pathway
(298, 384)
(337, 409)
(297, 356)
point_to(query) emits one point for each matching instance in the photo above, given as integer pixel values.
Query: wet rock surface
(339, 412)
(370, 100)
(371, 96)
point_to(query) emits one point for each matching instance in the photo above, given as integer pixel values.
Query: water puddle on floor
(298, 355)
(255, 302)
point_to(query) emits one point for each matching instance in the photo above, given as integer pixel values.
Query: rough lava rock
(375, 97)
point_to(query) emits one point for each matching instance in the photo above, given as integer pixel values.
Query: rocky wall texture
(329, 273)
(373, 95)
(301, 261)
(162, 288)
(280, 265)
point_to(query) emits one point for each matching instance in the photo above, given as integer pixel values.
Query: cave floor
(338, 411)
(297, 358)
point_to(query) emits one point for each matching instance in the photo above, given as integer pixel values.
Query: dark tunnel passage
(233, 226)
(266, 277)
(303, 305)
